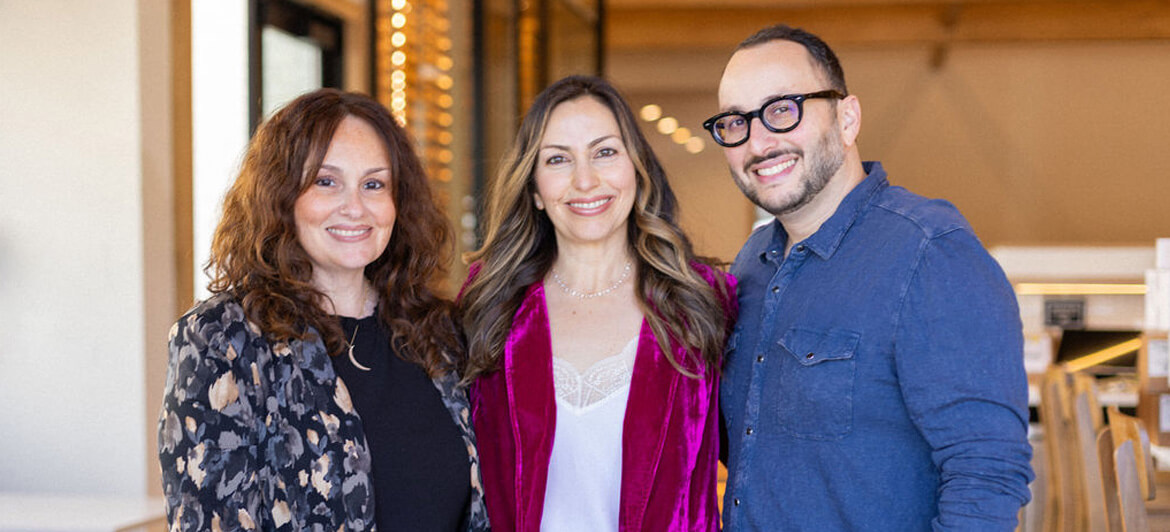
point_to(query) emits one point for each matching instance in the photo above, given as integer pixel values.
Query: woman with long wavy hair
(317, 389)
(594, 332)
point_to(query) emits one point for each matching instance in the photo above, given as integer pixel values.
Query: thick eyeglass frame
(799, 99)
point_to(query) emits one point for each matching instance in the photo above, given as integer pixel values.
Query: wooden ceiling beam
(696, 28)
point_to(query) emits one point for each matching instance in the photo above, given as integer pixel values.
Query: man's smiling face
(781, 172)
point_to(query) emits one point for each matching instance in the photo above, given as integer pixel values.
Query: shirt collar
(825, 241)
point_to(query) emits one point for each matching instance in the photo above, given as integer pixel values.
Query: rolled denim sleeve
(959, 358)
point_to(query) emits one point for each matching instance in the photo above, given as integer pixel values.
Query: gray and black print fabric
(256, 435)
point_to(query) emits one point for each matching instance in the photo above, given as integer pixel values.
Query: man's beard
(828, 156)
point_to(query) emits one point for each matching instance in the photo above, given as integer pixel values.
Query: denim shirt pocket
(814, 382)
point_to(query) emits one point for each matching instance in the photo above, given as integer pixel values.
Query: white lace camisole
(585, 470)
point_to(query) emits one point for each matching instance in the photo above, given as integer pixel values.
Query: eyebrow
(592, 143)
(332, 168)
(761, 103)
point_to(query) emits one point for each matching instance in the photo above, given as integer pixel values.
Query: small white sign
(1037, 353)
(1158, 353)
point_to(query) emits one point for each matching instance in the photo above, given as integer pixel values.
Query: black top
(421, 474)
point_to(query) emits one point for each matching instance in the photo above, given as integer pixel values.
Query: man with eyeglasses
(875, 378)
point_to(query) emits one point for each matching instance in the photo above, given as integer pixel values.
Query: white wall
(219, 92)
(71, 248)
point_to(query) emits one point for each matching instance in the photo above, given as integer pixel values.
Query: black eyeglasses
(780, 115)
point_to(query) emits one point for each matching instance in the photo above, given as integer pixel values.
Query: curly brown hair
(257, 258)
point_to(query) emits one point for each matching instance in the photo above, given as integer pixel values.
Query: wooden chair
(1093, 514)
(1127, 471)
(1060, 508)
(1109, 479)
(1075, 500)
(1126, 427)
(1078, 496)
(1129, 490)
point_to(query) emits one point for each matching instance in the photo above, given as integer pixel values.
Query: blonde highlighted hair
(520, 247)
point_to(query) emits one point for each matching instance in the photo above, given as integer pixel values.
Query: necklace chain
(590, 295)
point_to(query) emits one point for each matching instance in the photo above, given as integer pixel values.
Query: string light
(651, 112)
(667, 125)
(413, 46)
(694, 145)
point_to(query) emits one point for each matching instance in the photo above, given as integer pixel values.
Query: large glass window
(295, 49)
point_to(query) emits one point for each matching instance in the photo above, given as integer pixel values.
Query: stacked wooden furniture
(1098, 477)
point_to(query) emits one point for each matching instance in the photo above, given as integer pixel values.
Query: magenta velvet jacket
(670, 435)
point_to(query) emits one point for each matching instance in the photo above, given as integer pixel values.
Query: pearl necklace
(590, 295)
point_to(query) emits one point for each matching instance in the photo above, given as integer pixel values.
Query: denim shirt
(875, 379)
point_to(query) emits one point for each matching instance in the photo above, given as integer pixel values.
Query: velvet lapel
(531, 399)
(648, 414)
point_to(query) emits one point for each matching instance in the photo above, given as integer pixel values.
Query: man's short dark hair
(822, 55)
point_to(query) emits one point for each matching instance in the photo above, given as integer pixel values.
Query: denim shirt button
(775, 289)
(735, 501)
(800, 248)
(759, 358)
(749, 431)
(810, 356)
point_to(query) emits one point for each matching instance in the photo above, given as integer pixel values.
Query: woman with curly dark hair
(594, 333)
(316, 389)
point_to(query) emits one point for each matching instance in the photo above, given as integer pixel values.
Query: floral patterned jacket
(262, 436)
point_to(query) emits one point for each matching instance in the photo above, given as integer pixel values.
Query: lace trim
(601, 380)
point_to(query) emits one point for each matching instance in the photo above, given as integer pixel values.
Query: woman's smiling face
(585, 179)
(345, 218)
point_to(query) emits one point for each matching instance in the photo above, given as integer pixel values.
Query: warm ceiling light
(398, 39)
(398, 58)
(694, 145)
(681, 135)
(397, 4)
(398, 20)
(667, 125)
(651, 112)
(1104, 355)
(1077, 289)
